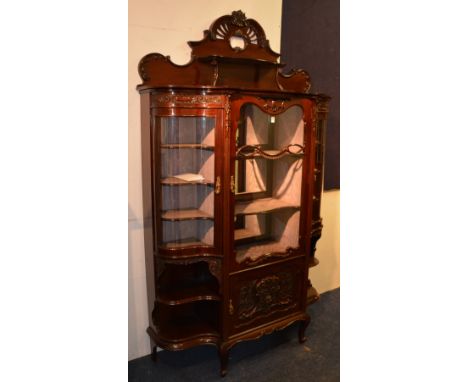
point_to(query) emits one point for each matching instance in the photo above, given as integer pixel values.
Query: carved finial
(239, 19)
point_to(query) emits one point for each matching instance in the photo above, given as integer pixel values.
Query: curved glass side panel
(187, 180)
(268, 177)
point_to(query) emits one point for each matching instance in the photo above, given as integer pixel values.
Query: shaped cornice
(216, 64)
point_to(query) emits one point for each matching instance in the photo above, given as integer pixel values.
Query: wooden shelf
(187, 146)
(171, 181)
(183, 294)
(185, 328)
(243, 233)
(188, 322)
(191, 242)
(189, 214)
(259, 206)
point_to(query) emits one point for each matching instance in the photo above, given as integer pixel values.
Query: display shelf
(191, 242)
(189, 292)
(185, 322)
(187, 146)
(262, 206)
(244, 233)
(188, 214)
(186, 328)
(172, 181)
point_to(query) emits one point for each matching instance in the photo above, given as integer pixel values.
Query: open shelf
(244, 233)
(171, 181)
(189, 292)
(190, 242)
(264, 205)
(186, 327)
(184, 322)
(188, 214)
(187, 146)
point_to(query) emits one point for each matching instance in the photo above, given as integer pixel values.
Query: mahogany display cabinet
(232, 153)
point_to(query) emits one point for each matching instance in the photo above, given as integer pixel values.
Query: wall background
(310, 40)
(164, 26)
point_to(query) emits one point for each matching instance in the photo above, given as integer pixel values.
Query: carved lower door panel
(264, 294)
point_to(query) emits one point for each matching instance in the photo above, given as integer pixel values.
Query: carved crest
(214, 61)
(238, 25)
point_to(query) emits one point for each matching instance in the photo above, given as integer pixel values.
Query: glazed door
(187, 181)
(269, 171)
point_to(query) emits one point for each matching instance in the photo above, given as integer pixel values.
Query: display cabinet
(232, 153)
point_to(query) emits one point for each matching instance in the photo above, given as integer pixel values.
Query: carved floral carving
(265, 295)
(239, 19)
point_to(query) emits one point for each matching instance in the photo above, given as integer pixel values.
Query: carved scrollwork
(238, 25)
(264, 296)
(322, 107)
(214, 266)
(148, 58)
(273, 106)
(288, 252)
(251, 151)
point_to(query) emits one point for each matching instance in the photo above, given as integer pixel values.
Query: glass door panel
(268, 178)
(187, 180)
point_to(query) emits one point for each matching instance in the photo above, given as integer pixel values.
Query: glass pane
(269, 158)
(187, 180)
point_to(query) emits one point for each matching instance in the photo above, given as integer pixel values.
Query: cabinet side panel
(147, 199)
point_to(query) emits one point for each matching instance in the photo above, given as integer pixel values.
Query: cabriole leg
(154, 354)
(223, 360)
(302, 328)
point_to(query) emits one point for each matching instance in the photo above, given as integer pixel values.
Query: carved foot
(302, 328)
(154, 354)
(223, 360)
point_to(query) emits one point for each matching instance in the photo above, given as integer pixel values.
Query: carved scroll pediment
(215, 59)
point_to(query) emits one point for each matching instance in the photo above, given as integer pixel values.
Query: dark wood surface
(200, 294)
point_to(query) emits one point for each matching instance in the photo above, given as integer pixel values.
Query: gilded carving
(273, 106)
(227, 114)
(187, 100)
(322, 107)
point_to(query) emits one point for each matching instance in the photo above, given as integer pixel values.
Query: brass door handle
(231, 308)
(233, 184)
(218, 185)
